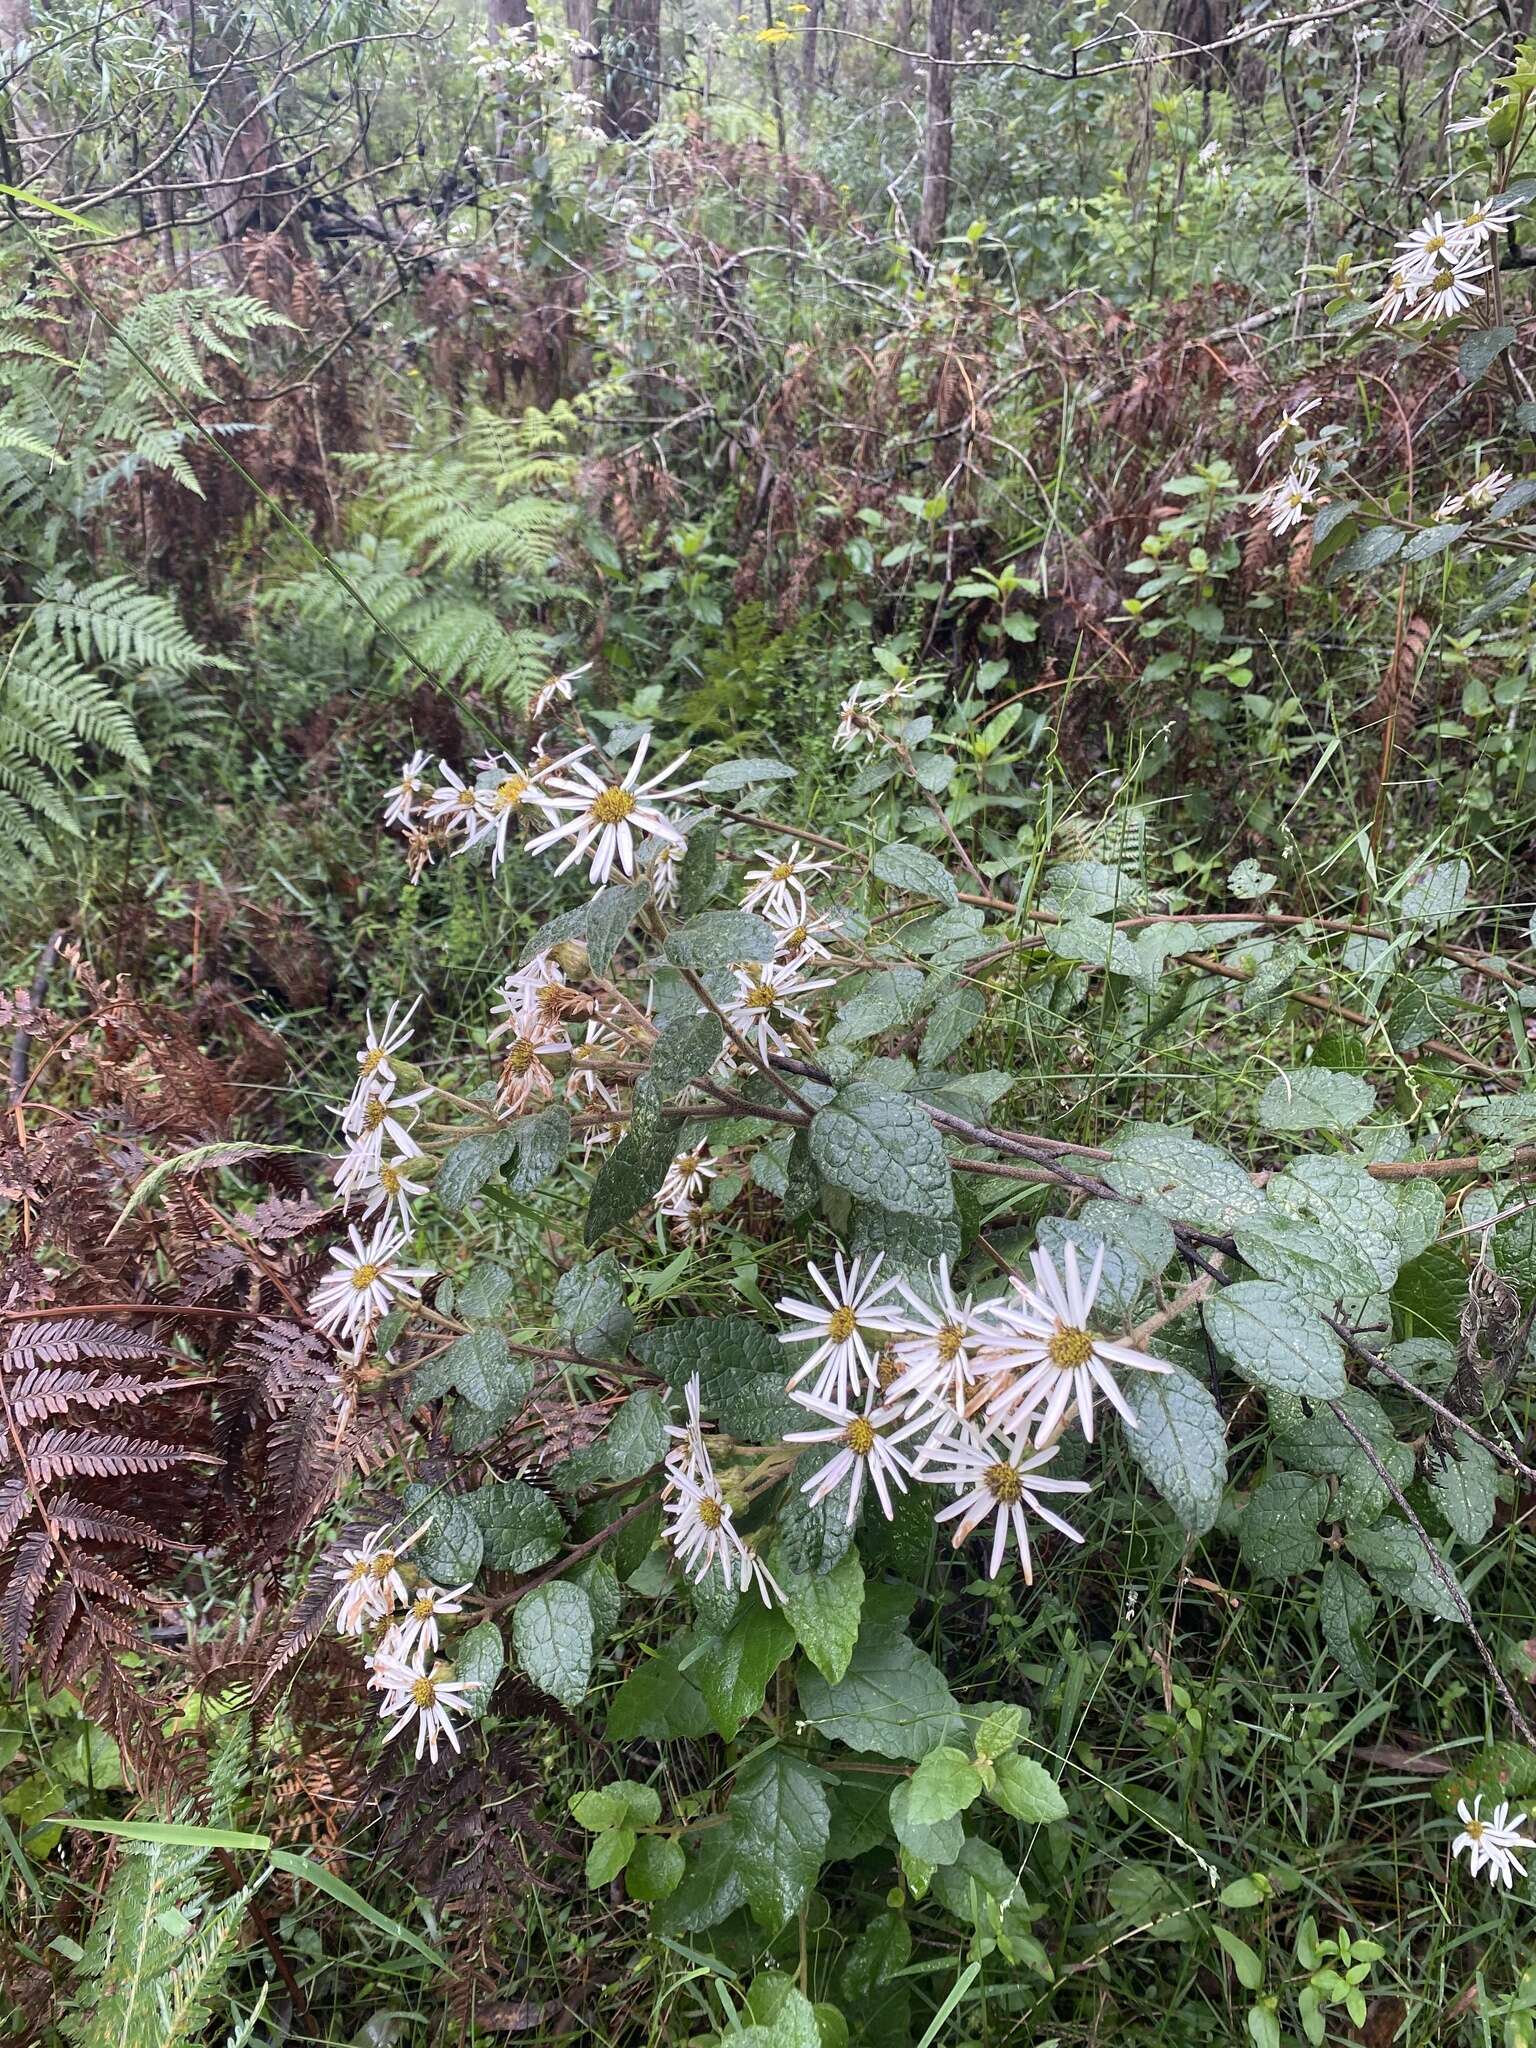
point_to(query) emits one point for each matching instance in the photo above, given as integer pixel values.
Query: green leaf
(292, 1864)
(624, 1803)
(478, 1657)
(951, 1021)
(934, 1842)
(608, 1855)
(658, 1703)
(1246, 1964)
(1348, 1608)
(1437, 892)
(484, 1291)
(552, 1639)
(720, 938)
(627, 1179)
(698, 876)
(451, 1547)
(741, 1371)
(687, 1047)
(915, 871)
(1481, 350)
(892, 1699)
(1339, 1196)
(589, 1308)
(1399, 1561)
(1276, 1340)
(655, 1869)
(1315, 1099)
(1181, 1177)
(725, 776)
(779, 1821)
(883, 1002)
(1318, 1262)
(712, 1886)
(945, 1783)
(1278, 1528)
(1430, 541)
(734, 1669)
(609, 916)
(543, 1142)
(522, 1527)
(1180, 1443)
(1320, 1442)
(1372, 548)
(1027, 1790)
(469, 1164)
(824, 1613)
(911, 1243)
(481, 1368)
(1465, 1489)
(883, 1149)
(811, 1538)
(635, 1441)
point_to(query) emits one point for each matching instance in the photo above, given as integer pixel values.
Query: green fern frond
(118, 623)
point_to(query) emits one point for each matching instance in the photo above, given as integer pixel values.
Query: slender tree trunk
(631, 47)
(580, 17)
(939, 127)
(505, 15)
(808, 59)
(234, 146)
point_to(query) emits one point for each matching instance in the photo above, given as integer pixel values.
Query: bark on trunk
(939, 127)
(631, 47)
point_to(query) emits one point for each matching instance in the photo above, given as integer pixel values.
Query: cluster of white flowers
(859, 715)
(403, 1664)
(919, 1385)
(1490, 1844)
(1442, 267)
(700, 1522)
(1478, 495)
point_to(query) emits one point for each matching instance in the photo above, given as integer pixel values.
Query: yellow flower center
(548, 1000)
(782, 871)
(859, 1436)
(363, 1276)
(1002, 1482)
(1475, 1828)
(687, 1164)
(383, 1565)
(424, 1693)
(389, 1179)
(1434, 244)
(711, 1514)
(1068, 1349)
(511, 791)
(465, 799)
(374, 1112)
(373, 1059)
(841, 1325)
(888, 1368)
(612, 807)
(948, 1342)
(422, 1607)
(359, 1571)
(796, 937)
(520, 1056)
(758, 998)
(1443, 279)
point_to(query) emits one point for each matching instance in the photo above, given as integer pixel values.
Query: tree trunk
(808, 59)
(503, 16)
(234, 147)
(631, 47)
(939, 127)
(580, 16)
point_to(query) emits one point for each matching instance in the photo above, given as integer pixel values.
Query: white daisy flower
(375, 1119)
(755, 1573)
(597, 1138)
(508, 789)
(666, 873)
(455, 804)
(688, 1447)
(1399, 299)
(940, 1342)
(1052, 1358)
(1478, 496)
(1491, 1843)
(375, 1061)
(688, 1178)
(764, 1004)
(837, 1326)
(400, 801)
(394, 1189)
(524, 1072)
(1289, 423)
(699, 1526)
(866, 1438)
(586, 1083)
(800, 934)
(540, 985)
(367, 1279)
(1289, 499)
(778, 887)
(607, 816)
(1490, 216)
(369, 1581)
(1430, 244)
(431, 1699)
(1001, 1482)
(1454, 284)
(417, 1632)
(556, 691)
